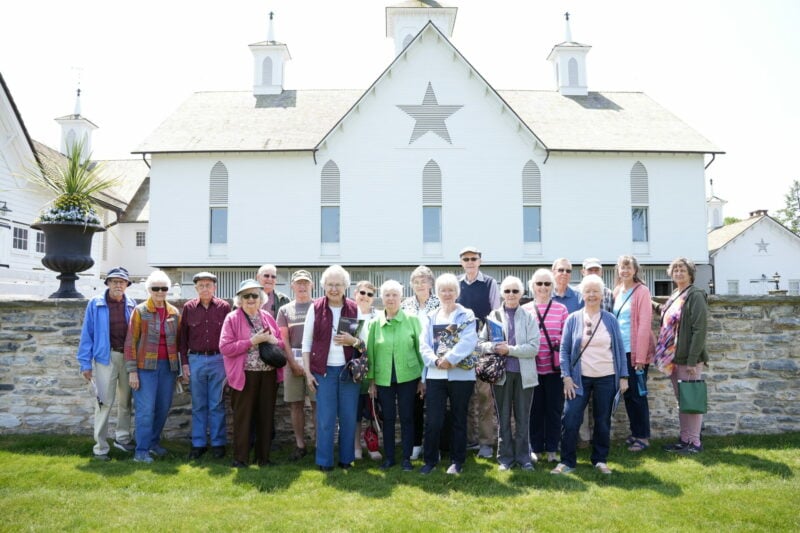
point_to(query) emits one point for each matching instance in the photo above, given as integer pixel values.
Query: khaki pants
(112, 384)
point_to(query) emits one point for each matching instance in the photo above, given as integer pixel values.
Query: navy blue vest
(475, 296)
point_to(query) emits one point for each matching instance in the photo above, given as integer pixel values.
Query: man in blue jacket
(100, 357)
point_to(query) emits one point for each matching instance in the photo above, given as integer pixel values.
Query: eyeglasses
(271, 276)
(161, 289)
(542, 283)
(512, 291)
(365, 293)
(470, 258)
(250, 296)
(564, 270)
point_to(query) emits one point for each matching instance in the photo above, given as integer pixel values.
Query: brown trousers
(253, 408)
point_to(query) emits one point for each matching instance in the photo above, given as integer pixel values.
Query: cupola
(569, 65)
(269, 62)
(406, 19)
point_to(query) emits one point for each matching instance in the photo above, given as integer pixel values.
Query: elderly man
(100, 356)
(198, 344)
(267, 276)
(592, 265)
(562, 292)
(479, 293)
(291, 320)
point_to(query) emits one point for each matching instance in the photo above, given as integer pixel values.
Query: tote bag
(692, 396)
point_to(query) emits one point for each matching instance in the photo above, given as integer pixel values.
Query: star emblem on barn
(762, 246)
(430, 116)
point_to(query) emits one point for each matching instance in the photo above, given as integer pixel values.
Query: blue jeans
(438, 391)
(602, 391)
(548, 405)
(208, 410)
(404, 393)
(336, 399)
(152, 401)
(637, 407)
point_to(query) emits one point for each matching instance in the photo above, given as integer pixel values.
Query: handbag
(271, 354)
(693, 396)
(356, 368)
(491, 368)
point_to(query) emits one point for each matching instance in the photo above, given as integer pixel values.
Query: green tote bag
(693, 396)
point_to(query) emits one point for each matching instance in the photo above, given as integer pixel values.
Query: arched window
(330, 203)
(266, 71)
(572, 69)
(431, 203)
(640, 203)
(531, 203)
(218, 204)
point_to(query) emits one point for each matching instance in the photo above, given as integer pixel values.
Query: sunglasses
(365, 293)
(272, 276)
(564, 270)
(159, 289)
(512, 291)
(470, 258)
(250, 296)
(542, 283)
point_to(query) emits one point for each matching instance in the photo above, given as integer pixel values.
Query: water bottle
(640, 383)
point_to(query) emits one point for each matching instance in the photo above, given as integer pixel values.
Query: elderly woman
(592, 363)
(548, 396)
(515, 391)
(151, 358)
(448, 337)
(420, 304)
(681, 349)
(395, 368)
(364, 297)
(326, 350)
(254, 384)
(635, 314)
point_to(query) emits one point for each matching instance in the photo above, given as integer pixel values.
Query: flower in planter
(75, 181)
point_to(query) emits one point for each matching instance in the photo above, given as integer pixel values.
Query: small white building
(428, 159)
(22, 247)
(755, 256)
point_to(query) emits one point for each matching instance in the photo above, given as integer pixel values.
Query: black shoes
(238, 464)
(298, 453)
(197, 452)
(676, 446)
(218, 452)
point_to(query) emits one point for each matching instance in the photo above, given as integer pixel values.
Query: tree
(789, 216)
(731, 220)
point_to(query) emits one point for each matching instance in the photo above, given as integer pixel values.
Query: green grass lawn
(742, 483)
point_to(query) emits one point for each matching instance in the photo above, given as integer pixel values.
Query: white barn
(428, 159)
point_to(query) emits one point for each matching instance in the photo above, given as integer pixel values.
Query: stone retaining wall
(753, 376)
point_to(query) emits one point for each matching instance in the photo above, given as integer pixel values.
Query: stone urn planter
(68, 250)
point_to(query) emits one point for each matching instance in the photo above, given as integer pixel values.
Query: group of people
(564, 350)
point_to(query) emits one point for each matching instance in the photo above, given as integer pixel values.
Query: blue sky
(728, 68)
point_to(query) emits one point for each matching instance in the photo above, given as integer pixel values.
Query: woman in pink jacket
(254, 383)
(634, 315)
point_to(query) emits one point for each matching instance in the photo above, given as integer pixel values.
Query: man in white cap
(479, 293)
(198, 346)
(291, 321)
(592, 265)
(100, 356)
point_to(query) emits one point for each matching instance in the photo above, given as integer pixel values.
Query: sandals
(637, 445)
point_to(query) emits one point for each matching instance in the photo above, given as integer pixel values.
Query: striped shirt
(554, 322)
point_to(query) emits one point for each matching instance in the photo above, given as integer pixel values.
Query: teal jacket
(394, 342)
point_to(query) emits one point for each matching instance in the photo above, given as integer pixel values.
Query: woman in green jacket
(395, 368)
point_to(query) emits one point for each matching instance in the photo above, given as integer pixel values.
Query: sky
(728, 68)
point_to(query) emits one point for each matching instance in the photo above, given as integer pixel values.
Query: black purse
(270, 354)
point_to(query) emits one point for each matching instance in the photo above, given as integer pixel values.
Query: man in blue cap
(100, 356)
(198, 344)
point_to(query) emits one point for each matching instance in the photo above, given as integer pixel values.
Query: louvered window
(640, 200)
(531, 203)
(218, 204)
(266, 71)
(431, 202)
(330, 197)
(572, 70)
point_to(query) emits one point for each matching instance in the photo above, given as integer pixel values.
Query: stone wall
(754, 344)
